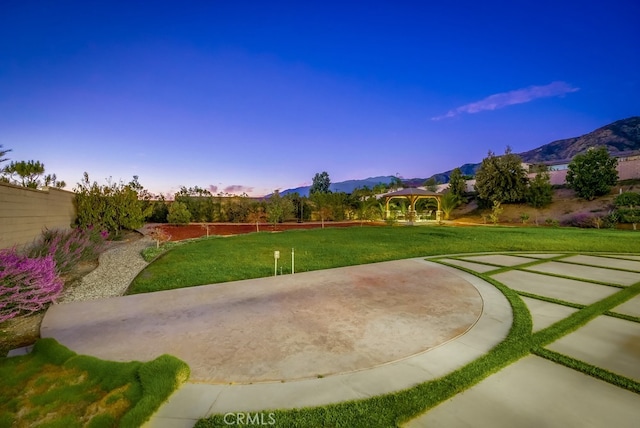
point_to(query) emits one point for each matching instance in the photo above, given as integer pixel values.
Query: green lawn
(217, 259)
(54, 387)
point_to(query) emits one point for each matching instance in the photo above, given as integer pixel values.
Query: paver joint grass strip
(622, 316)
(588, 369)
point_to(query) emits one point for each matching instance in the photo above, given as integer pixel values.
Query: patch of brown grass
(43, 397)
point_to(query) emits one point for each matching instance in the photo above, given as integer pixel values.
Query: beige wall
(24, 213)
(628, 168)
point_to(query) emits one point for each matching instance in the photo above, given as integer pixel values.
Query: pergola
(413, 195)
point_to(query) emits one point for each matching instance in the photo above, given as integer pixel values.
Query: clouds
(518, 96)
(238, 189)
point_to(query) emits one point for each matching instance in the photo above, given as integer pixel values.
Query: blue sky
(253, 96)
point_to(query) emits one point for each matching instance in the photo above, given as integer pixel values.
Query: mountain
(619, 137)
(343, 186)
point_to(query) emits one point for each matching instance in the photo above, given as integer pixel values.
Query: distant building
(628, 167)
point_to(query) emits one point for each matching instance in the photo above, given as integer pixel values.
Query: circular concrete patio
(283, 328)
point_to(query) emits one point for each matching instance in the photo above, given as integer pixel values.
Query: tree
(278, 208)
(199, 203)
(114, 206)
(540, 192)
(322, 204)
(321, 183)
(501, 178)
(257, 215)
(592, 173)
(457, 184)
(431, 184)
(52, 180)
(25, 173)
(396, 183)
(29, 173)
(628, 208)
(178, 213)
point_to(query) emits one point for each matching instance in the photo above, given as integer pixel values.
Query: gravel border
(117, 267)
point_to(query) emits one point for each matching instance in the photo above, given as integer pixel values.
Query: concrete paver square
(191, 401)
(477, 267)
(500, 259)
(588, 272)
(630, 307)
(559, 288)
(606, 342)
(604, 262)
(535, 392)
(545, 314)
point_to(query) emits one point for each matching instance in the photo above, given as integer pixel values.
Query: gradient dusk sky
(253, 96)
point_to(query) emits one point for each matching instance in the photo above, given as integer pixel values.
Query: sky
(254, 96)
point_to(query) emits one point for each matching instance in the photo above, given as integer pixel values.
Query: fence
(25, 213)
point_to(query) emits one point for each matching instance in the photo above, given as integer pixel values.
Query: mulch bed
(197, 230)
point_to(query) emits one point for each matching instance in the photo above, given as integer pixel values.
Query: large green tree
(592, 173)
(321, 183)
(501, 178)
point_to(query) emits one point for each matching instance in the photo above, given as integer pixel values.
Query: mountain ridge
(619, 137)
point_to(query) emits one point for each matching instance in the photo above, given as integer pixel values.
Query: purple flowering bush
(26, 284)
(69, 247)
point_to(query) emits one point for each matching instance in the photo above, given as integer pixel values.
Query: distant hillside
(343, 186)
(620, 136)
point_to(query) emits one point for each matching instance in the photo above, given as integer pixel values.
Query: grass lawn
(54, 387)
(216, 259)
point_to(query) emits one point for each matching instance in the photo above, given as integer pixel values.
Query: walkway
(530, 392)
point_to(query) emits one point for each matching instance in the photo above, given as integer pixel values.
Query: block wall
(24, 213)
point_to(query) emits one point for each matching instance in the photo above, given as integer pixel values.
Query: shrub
(26, 284)
(114, 206)
(629, 215)
(627, 199)
(540, 192)
(178, 213)
(68, 247)
(582, 220)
